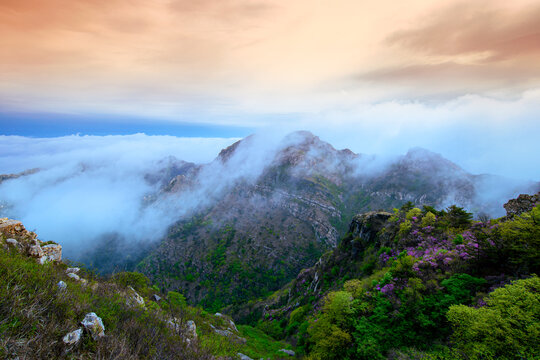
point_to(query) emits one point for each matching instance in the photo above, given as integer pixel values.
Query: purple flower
(386, 289)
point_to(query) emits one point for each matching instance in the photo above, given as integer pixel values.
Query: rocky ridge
(262, 231)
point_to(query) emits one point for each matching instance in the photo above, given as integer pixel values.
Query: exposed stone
(134, 297)
(522, 204)
(174, 324)
(35, 251)
(94, 325)
(9, 226)
(233, 325)
(52, 252)
(13, 242)
(229, 334)
(156, 298)
(288, 352)
(61, 285)
(74, 276)
(243, 357)
(73, 337)
(191, 329)
(226, 333)
(74, 270)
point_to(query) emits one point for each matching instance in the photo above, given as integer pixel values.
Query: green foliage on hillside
(430, 286)
(35, 315)
(506, 327)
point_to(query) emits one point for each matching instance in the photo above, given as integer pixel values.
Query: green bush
(507, 327)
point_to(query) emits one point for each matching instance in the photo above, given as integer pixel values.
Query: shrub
(506, 327)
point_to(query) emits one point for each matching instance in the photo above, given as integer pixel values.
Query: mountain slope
(417, 284)
(281, 209)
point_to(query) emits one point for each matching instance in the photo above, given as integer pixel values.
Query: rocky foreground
(51, 309)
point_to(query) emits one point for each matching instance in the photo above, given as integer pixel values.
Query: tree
(507, 327)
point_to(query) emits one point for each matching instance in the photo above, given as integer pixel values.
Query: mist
(89, 186)
(94, 192)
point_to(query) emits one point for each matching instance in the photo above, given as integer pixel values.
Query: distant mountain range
(266, 212)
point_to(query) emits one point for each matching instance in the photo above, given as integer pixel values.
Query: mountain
(50, 309)
(266, 211)
(416, 284)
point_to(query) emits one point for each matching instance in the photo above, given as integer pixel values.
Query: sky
(461, 78)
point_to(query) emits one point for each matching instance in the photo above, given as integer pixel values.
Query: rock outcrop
(94, 325)
(14, 234)
(134, 298)
(73, 337)
(521, 204)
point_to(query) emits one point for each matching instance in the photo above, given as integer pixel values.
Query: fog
(90, 188)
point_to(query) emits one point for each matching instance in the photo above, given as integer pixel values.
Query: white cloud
(90, 185)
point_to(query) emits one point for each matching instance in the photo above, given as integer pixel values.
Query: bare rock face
(522, 204)
(27, 242)
(191, 329)
(11, 227)
(35, 251)
(61, 285)
(134, 298)
(73, 337)
(94, 325)
(243, 357)
(12, 242)
(52, 252)
(74, 276)
(366, 226)
(288, 352)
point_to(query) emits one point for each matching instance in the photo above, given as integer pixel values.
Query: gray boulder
(243, 357)
(52, 252)
(94, 325)
(61, 285)
(288, 352)
(134, 297)
(73, 337)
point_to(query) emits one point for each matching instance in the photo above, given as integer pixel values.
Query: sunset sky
(369, 75)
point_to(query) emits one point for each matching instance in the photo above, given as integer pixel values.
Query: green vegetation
(35, 315)
(431, 286)
(507, 326)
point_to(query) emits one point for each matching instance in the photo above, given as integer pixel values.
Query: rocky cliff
(255, 232)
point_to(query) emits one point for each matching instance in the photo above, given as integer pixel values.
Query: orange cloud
(472, 28)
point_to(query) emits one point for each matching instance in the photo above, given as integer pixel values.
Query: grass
(35, 315)
(260, 345)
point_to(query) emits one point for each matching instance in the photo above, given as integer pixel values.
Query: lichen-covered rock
(243, 357)
(94, 325)
(35, 251)
(233, 326)
(288, 352)
(134, 298)
(73, 337)
(521, 204)
(10, 227)
(52, 252)
(74, 276)
(156, 298)
(61, 285)
(174, 324)
(191, 329)
(13, 242)
(73, 270)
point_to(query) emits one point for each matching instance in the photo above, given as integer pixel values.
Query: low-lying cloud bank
(88, 186)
